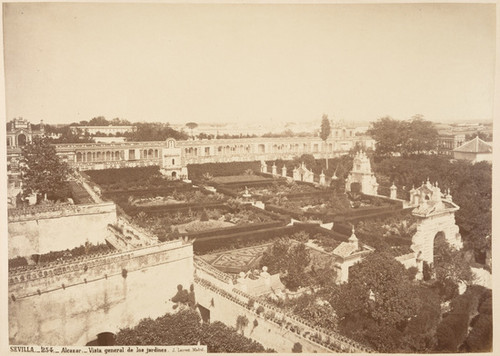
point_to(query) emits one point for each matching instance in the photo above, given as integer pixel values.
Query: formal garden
(168, 225)
(132, 179)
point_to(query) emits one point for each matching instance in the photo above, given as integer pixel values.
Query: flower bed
(168, 225)
(138, 178)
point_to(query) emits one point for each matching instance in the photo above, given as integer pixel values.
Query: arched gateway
(436, 215)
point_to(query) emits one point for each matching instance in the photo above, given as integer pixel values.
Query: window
(173, 161)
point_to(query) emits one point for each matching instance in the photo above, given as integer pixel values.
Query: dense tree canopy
(380, 306)
(470, 185)
(290, 260)
(414, 136)
(154, 132)
(485, 136)
(42, 170)
(185, 328)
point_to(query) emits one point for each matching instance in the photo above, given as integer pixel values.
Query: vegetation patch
(185, 328)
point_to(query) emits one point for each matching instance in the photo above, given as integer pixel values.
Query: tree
(488, 137)
(99, 121)
(42, 171)
(288, 259)
(388, 134)
(155, 131)
(414, 136)
(324, 133)
(377, 302)
(191, 126)
(422, 136)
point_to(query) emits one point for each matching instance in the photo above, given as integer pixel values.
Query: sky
(178, 63)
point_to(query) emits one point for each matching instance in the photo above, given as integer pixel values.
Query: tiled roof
(475, 145)
(345, 249)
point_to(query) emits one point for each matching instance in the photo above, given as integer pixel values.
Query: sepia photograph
(247, 177)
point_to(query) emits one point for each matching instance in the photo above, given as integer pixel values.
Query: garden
(133, 179)
(170, 224)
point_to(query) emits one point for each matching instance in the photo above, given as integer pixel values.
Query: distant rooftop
(476, 145)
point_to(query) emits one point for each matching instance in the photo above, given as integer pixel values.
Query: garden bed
(170, 224)
(133, 179)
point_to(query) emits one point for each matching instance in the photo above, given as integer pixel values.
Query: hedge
(232, 230)
(196, 171)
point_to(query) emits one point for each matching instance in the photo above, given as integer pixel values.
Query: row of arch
(261, 148)
(99, 156)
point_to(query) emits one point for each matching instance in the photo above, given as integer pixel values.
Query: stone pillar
(394, 192)
(283, 171)
(296, 174)
(274, 169)
(322, 180)
(242, 282)
(310, 177)
(263, 167)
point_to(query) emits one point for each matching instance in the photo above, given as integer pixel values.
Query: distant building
(448, 142)
(93, 130)
(21, 131)
(475, 150)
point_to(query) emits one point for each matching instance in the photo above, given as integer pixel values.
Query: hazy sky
(248, 63)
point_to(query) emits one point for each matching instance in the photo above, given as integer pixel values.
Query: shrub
(250, 303)
(297, 347)
(204, 216)
(260, 310)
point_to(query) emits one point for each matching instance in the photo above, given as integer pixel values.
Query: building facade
(448, 142)
(108, 130)
(21, 131)
(173, 156)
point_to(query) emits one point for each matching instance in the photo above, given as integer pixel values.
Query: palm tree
(191, 126)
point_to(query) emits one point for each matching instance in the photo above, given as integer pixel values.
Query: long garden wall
(39, 230)
(70, 303)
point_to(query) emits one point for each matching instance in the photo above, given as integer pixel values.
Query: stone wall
(269, 334)
(70, 303)
(226, 304)
(41, 230)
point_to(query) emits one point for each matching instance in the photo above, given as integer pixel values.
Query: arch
(78, 156)
(98, 156)
(439, 243)
(150, 153)
(262, 148)
(170, 143)
(156, 153)
(22, 140)
(174, 174)
(89, 156)
(434, 229)
(108, 156)
(117, 155)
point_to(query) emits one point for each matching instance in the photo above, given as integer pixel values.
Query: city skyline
(248, 63)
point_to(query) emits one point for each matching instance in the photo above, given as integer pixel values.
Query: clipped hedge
(196, 171)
